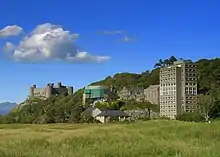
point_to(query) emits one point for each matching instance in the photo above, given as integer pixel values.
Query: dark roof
(113, 113)
(89, 110)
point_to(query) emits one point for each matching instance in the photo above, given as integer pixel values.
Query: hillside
(67, 109)
(6, 107)
(208, 72)
(120, 80)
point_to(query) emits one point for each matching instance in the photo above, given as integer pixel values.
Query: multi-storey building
(50, 90)
(178, 89)
(152, 94)
(189, 87)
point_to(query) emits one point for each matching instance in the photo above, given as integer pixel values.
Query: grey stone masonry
(50, 90)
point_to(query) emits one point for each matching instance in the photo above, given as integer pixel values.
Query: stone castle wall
(50, 90)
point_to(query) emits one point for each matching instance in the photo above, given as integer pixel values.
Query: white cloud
(13, 30)
(9, 47)
(85, 57)
(126, 39)
(50, 42)
(114, 32)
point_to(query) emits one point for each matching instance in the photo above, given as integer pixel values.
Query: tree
(168, 61)
(205, 104)
(113, 105)
(159, 64)
(76, 113)
(61, 108)
(172, 59)
(190, 117)
(215, 110)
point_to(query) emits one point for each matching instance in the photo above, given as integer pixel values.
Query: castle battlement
(49, 90)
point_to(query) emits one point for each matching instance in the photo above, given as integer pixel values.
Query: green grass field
(147, 139)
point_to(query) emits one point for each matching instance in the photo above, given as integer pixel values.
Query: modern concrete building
(98, 93)
(178, 89)
(189, 87)
(50, 90)
(152, 94)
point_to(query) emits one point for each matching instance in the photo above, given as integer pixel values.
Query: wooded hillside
(68, 109)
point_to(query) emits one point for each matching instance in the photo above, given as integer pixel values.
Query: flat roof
(96, 87)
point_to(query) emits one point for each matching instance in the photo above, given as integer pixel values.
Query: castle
(49, 90)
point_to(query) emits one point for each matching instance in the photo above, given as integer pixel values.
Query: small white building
(104, 116)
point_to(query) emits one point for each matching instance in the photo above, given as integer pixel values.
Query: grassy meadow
(147, 139)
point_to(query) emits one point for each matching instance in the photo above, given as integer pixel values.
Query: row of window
(168, 70)
(193, 92)
(168, 93)
(190, 74)
(191, 107)
(167, 97)
(168, 88)
(190, 88)
(168, 75)
(168, 106)
(190, 97)
(190, 102)
(191, 70)
(168, 114)
(191, 78)
(167, 79)
(168, 84)
(169, 102)
(191, 84)
(150, 96)
(190, 65)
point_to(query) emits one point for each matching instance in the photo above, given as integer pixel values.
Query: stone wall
(137, 114)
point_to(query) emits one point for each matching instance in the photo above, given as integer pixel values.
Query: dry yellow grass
(152, 138)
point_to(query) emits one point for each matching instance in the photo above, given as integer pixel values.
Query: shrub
(164, 118)
(190, 117)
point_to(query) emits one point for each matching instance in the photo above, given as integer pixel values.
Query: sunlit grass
(148, 139)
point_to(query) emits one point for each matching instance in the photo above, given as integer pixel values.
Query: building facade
(98, 93)
(178, 89)
(50, 90)
(152, 94)
(189, 87)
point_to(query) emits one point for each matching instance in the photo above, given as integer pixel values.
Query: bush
(143, 119)
(190, 117)
(87, 119)
(164, 118)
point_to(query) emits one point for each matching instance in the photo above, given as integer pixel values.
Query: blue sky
(186, 29)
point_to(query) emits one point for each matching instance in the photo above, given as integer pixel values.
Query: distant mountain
(6, 107)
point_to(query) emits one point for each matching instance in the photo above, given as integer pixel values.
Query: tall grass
(147, 139)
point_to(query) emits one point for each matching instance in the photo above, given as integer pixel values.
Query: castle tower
(70, 90)
(31, 91)
(48, 91)
(59, 85)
